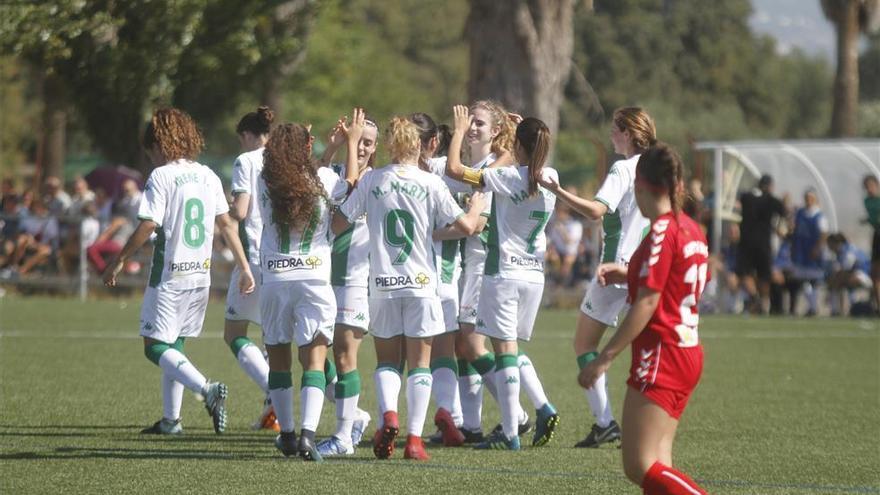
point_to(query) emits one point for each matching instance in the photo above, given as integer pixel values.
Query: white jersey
(517, 241)
(299, 253)
(448, 252)
(623, 224)
(182, 198)
(245, 176)
(351, 250)
(403, 204)
(474, 246)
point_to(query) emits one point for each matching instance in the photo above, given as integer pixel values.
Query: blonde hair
(404, 144)
(639, 124)
(503, 141)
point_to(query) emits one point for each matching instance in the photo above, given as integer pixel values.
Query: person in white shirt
(632, 132)
(182, 203)
(513, 280)
(253, 132)
(403, 205)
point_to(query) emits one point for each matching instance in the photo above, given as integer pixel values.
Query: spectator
(872, 206)
(111, 240)
(104, 207)
(850, 270)
(7, 189)
(565, 239)
(79, 239)
(10, 223)
(82, 195)
(754, 256)
(57, 200)
(807, 246)
(36, 240)
(127, 205)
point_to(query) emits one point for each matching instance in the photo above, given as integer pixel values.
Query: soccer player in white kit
(403, 204)
(349, 274)
(632, 132)
(182, 200)
(513, 281)
(253, 132)
(297, 303)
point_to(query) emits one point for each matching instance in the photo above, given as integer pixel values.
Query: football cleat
(472, 436)
(450, 434)
(383, 440)
(307, 448)
(498, 441)
(415, 449)
(267, 419)
(599, 435)
(286, 443)
(436, 438)
(333, 446)
(164, 427)
(359, 427)
(215, 403)
(523, 428)
(545, 425)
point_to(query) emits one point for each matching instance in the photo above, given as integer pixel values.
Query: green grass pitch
(784, 406)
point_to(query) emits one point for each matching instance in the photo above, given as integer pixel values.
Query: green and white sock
(348, 390)
(281, 393)
(250, 359)
(485, 366)
(312, 398)
(445, 387)
(388, 382)
(470, 389)
(172, 397)
(176, 365)
(530, 382)
(330, 379)
(418, 398)
(507, 385)
(597, 396)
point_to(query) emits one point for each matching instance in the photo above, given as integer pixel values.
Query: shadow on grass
(65, 453)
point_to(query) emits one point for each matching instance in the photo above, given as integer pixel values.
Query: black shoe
(286, 443)
(472, 436)
(164, 427)
(523, 428)
(308, 450)
(599, 435)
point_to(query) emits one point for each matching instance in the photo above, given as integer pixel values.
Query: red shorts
(666, 374)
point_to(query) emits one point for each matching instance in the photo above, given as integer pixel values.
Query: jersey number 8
(193, 223)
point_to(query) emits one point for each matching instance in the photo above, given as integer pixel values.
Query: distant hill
(795, 24)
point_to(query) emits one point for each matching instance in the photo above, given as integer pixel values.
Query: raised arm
(335, 140)
(229, 231)
(353, 133)
(591, 209)
(137, 239)
(469, 223)
(454, 168)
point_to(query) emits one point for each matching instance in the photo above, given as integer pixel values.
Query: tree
(850, 18)
(521, 54)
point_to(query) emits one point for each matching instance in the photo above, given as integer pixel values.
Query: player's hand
(592, 371)
(246, 283)
(461, 120)
(477, 202)
(515, 118)
(610, 273)
(111, 272)
(355, 129)
(548, 183)
(337, 134)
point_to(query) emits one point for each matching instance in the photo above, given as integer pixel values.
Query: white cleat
(359, 427)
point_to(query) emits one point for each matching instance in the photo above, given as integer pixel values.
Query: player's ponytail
(534, 137)
(660, 170)
(258, 123)
(639, 124)
(403, 141)
(291, 178)
(427, 129)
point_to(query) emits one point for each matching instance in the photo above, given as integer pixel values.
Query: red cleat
(415, 449)
(452, 436)
(383, 440)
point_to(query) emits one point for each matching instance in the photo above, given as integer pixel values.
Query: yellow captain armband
(472, 177)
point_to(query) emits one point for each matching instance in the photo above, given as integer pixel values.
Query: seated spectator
(37, 238)
(111, 240)
(565, 239)
(82, 195)
(807, 249)
(10, 224)
(79, 239)
(104, 207)
(57, 200)
(850, 269)
(127, 205)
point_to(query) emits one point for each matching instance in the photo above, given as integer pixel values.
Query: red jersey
(672, 260)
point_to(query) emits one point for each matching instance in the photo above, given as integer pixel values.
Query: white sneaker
(332, 446)
(359, 426)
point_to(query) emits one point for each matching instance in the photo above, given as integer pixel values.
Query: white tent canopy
(835, 168)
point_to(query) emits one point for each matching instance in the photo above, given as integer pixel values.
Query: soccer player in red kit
(665, 278)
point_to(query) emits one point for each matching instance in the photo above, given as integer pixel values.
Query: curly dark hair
(291, 178)
(175, 133)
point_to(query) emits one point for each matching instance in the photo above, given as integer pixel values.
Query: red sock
(664, 480)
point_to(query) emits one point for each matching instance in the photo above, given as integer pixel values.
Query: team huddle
(430, 255)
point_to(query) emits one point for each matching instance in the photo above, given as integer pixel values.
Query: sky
(795, 24)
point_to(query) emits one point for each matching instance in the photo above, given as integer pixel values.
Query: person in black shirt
(754, 256)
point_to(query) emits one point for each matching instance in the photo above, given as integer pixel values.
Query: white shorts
(604, 304)
(352, 307)
(509, 308)
(297, 311)
(470, 298)
(416, 317)
(243, 307)
(168, 313)
(449, 305)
